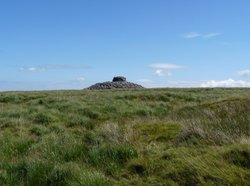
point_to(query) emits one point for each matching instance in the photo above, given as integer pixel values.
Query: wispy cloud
(67, 66)
(183, 84)
(33, 69)
(211, 35)
(148, 83)
(162, 69)
(144, 81)
(52, 67)
(226, 83)
(173, 84)
(165, 66)
(192, 84)
(244, 73)
(193, 35)
(81, 79)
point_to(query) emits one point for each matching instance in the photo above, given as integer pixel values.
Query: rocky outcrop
(119, 79)
(118, 82)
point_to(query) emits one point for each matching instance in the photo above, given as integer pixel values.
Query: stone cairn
(118, 82)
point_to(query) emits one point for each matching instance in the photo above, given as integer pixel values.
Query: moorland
(125, 137)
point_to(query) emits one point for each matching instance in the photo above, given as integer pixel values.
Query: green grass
(125, 137)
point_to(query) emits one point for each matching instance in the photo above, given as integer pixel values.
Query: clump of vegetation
(44, 118)
(239, 156)
(125, 137)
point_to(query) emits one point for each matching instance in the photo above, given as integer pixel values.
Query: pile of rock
(118, 82)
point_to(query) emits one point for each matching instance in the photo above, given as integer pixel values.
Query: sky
(72, 44)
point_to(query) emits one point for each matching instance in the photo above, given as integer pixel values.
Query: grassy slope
(138, 137)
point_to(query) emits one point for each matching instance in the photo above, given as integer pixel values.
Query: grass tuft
(239, 156)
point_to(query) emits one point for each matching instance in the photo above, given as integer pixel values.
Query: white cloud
(32, 69)
(226, 83)
(209, 35)
(81, 79)
(193, 84)
(244, 73)
(191, 35)
(161, 73)
(165, 66)
(162, 69)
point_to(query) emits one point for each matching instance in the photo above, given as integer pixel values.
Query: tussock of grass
(222, 122)
(44, 118)
(239, 156)
(91, 179)
(39, 130)
(113, 133)
(111, 158)
(124, 137)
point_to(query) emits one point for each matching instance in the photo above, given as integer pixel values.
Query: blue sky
(72, 44)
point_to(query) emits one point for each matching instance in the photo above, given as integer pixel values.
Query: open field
(125, 137)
